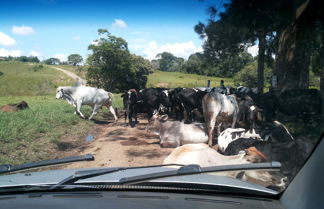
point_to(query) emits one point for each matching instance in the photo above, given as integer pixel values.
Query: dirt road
(78, 79)
(119, 145)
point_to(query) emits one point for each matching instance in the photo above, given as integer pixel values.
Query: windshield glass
(139, 83)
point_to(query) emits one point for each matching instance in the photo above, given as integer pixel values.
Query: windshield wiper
(6, 168)
(98, 172)
(196, 169)
(183, 170)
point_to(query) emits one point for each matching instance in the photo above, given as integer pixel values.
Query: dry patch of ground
(117, 144)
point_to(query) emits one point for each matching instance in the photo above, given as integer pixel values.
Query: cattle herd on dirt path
(215, 126)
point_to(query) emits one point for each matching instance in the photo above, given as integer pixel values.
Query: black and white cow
(232, 141)
(145, 101)
(191, 101)
(85, 95)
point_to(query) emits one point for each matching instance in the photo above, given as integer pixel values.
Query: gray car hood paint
(55, 176)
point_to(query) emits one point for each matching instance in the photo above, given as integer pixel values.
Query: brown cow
(14, 107)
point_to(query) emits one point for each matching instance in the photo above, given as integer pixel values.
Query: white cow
(176, 133)
(85, 95)
(205, 156)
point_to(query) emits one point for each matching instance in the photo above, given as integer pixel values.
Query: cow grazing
(219, 108)
(84, 95)
(14, 107)
(205, 156)
(176, 133)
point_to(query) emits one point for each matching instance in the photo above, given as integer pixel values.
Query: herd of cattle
(244, 120)
(247, 127)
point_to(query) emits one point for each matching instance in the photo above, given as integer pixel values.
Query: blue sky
(58, 28)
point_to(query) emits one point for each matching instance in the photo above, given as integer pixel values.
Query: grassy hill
(38, 132)
(177, 79)
(27, 79)
(169, 79)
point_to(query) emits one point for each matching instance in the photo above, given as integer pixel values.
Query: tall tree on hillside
(75, 59)
(244, 23)
(112, 67)
(52, 61)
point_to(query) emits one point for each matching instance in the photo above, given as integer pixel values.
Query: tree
(249, 74)
(52, 61)
(242, 24)
(112, 67)
(298, 43)
(140, 68)
(169, 62)
(74, 59)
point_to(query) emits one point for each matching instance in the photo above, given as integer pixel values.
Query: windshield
(142, 83)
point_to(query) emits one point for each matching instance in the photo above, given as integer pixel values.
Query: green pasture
(177, 79)
(28, 79)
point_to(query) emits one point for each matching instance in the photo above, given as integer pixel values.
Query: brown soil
(116, 144)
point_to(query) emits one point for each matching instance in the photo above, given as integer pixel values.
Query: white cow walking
(85, 95)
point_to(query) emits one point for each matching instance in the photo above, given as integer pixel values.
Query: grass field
(177, 79)
(34, 134)
(170, 79)
(26, 79)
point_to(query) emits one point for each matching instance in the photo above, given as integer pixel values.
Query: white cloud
(23, 30)
(119, 23)
(61, 57)
(36, 54)
(14, 53)
(76, 37)
(253, 50)
(6, 40)
(184, 49)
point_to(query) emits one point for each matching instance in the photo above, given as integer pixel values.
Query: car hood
(51, 177)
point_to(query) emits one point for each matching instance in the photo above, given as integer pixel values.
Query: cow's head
(164, 98)
(22, 105)
(129, 98)
(155, 121)
(59, 93)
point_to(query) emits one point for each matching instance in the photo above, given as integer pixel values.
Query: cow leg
(94, 110)
(78, 109)
(210, 123)
(113, 112)
(235, 119)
